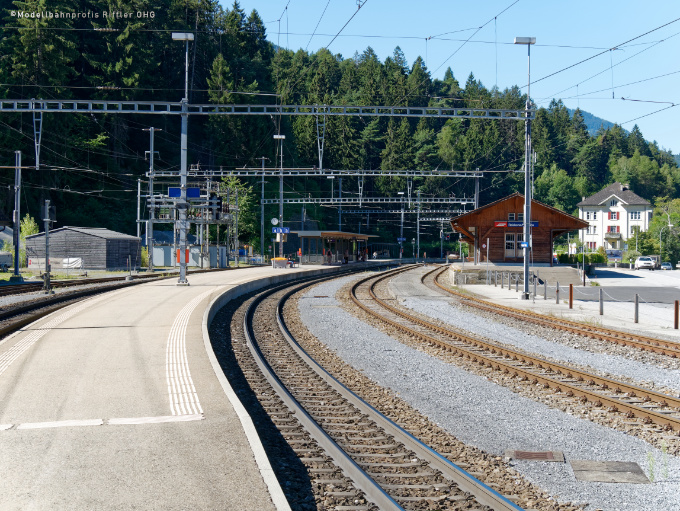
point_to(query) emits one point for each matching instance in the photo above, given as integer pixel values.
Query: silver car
(644, 262)
(666, 266)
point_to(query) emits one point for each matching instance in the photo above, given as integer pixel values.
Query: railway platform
(655, 318)
(117, 402)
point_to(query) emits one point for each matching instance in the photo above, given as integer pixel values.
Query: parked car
(666, 266)
(645, 262)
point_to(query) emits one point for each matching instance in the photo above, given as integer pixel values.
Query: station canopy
(334, 235)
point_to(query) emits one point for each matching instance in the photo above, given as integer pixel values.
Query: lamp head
(182, 36)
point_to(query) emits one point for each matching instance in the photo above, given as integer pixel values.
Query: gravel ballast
(491, 417)
(478, 325)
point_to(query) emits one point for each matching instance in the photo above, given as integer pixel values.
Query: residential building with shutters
(613, 215)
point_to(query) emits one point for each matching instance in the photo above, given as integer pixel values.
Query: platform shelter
(331, 247)
(498, 228)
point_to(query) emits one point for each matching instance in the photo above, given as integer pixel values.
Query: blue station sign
(192, 193)
(281, 230)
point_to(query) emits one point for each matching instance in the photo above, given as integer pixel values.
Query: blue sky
(566, 33)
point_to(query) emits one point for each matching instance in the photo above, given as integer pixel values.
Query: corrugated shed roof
(99, 232)
(620, 191)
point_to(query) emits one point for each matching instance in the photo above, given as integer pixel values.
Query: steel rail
(561, 386)
(645, 343)
(361, 479)
(465, 481)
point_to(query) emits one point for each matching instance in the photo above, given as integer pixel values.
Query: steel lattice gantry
(370, 200)
(179, 108)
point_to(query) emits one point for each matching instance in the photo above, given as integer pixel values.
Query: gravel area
(491, 417)
(478, 325)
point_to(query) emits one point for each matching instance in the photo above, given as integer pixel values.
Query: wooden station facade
(500, 224)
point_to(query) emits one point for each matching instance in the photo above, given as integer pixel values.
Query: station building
(497, 229)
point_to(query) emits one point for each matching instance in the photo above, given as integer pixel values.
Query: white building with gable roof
(613, 214)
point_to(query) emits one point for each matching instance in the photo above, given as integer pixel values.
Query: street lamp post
(418, 226)
(401, 229)
(660, 234)
(527, 175)
(280, 138)
(182, 204)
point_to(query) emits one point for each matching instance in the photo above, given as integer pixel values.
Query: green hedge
(573, 259)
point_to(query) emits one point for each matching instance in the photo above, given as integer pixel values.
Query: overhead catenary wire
(360, 4)
(652, 45)
(317, 24)
(603, 52)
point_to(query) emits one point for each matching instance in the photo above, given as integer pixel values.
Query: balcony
(612, 235)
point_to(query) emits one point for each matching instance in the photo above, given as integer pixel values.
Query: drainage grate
(536, 455)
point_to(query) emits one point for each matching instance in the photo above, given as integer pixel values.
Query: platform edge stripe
(265, 468)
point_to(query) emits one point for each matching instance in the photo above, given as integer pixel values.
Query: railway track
(357, 456)
(619, 397)
(669, 348)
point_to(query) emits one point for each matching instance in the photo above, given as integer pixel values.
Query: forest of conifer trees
(90, 163)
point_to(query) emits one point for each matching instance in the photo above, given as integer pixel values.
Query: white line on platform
(61, 424)
(181, 390)
(101, 422)
(157, 420)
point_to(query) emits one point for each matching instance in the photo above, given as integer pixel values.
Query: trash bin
(279, 262)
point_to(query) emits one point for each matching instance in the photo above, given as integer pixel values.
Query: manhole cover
(609, 471)
(536, 455)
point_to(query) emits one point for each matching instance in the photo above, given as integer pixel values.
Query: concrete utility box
(163, 256)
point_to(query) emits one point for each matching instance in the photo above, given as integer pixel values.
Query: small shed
(501, 225)
(99, 248)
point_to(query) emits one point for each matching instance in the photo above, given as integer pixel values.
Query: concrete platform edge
(275, 491)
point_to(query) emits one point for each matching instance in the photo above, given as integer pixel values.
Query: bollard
(545, 289)
(601, 303)
(557, 293)
(509, 281)
(571, 296)
(517, 284)
(677, 314)
(535, 279)
(637, 304)
(465, 280)
(502, 279)
(495, 278)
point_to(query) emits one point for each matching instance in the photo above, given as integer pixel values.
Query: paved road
(113, 404)
(622, 285)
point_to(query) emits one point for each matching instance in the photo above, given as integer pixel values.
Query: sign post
(487, 261)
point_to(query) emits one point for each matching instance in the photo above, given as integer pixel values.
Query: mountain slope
(592, 121)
